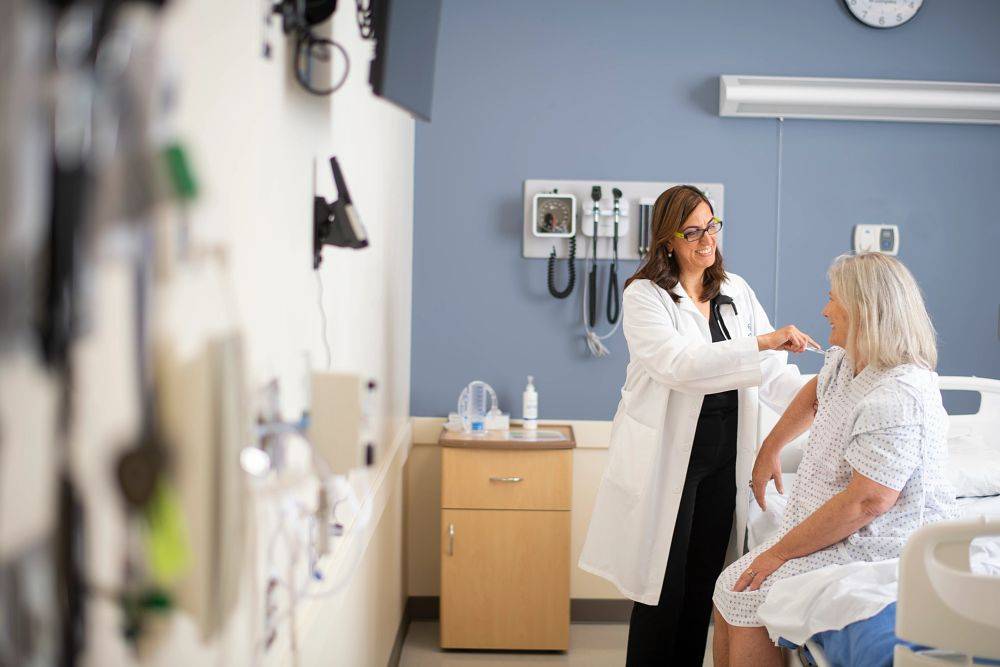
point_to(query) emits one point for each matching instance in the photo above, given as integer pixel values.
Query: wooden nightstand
(505, 541)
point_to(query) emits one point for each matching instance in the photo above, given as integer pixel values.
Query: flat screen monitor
(402, 71)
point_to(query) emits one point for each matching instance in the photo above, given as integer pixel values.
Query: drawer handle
(506, 479)
(451, 539)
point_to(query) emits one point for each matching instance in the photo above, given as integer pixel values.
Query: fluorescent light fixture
(859, 99)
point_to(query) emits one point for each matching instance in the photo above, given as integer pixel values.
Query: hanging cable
(777, 219)
(614, 305)
(595, 343)
(322, 314)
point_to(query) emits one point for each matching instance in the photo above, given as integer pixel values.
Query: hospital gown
(888, 425)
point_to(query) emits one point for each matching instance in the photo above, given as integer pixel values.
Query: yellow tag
(166, 536)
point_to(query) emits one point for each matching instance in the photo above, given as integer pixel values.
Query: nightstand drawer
(506, 479)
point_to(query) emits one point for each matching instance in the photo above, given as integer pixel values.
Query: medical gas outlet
(340, 421)
(876, 238)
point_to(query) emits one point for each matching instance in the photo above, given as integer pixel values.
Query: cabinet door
(505, 579)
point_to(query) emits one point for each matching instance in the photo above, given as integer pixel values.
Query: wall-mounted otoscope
(613, 304)
(336, 224)
(595, 194)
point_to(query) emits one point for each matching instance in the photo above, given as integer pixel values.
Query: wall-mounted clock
(883, 13)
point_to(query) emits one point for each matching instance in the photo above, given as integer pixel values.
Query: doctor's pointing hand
(788, 339)
(674, 494)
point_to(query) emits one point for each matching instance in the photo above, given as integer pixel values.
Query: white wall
(253, 136)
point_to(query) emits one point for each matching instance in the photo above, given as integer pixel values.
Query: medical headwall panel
(631, 217)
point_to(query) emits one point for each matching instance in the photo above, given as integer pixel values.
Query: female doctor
(684, 436)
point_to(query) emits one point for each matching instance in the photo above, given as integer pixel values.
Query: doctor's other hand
(786, 339)
(765, 468)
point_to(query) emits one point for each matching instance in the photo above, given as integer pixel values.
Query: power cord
(310, 49)
(322, 314)
(297, 21)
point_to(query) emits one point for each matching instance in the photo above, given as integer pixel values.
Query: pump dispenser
(530, 406)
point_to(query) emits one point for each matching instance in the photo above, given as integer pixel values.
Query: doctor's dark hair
(672, 208)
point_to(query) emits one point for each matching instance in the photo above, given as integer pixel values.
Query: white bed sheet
(835, 596)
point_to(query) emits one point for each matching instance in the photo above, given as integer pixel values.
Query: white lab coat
(673, 363)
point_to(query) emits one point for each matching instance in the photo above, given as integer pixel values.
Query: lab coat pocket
(630, 458)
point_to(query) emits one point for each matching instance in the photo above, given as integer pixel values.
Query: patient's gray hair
(889, 324)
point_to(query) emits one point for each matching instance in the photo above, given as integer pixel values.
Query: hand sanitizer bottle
(530, 406)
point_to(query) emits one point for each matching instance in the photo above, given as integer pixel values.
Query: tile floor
(592, 645)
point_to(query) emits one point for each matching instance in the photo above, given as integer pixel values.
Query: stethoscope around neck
(717, 304)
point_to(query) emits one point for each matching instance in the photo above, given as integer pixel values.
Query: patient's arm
(795, 420)
(847, 512)
(844, 514)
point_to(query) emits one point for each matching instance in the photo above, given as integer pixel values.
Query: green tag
(179, 170)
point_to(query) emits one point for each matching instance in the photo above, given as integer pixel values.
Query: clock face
(884, 13)
(554, 215)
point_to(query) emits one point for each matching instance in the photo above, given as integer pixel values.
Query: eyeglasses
(693, 234)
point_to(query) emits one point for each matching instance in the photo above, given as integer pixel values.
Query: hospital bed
(941, 604)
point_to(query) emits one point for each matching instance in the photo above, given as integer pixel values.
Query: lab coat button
(685, 448)
(678, 489)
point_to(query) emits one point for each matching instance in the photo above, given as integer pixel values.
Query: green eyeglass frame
(692, 235)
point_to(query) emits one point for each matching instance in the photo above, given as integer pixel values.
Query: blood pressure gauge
(554, 215)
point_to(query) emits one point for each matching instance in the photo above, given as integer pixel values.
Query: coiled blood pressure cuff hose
(562, 294)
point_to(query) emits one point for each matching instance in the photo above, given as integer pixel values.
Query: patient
(872, 471)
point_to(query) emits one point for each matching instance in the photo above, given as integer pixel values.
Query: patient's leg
(720, 640)
(752, 647)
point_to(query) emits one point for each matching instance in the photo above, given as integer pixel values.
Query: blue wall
(574, 89)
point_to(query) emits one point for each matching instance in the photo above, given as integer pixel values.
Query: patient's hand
(762, 567)
(765, 468)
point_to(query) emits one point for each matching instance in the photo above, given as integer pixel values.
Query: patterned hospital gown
(888, 425)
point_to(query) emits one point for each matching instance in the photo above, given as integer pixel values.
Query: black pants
(674, 631)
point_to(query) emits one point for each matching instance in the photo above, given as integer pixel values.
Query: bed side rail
(988, 389)
(941, 602)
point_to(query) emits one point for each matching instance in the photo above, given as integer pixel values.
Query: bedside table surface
(502, 439)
